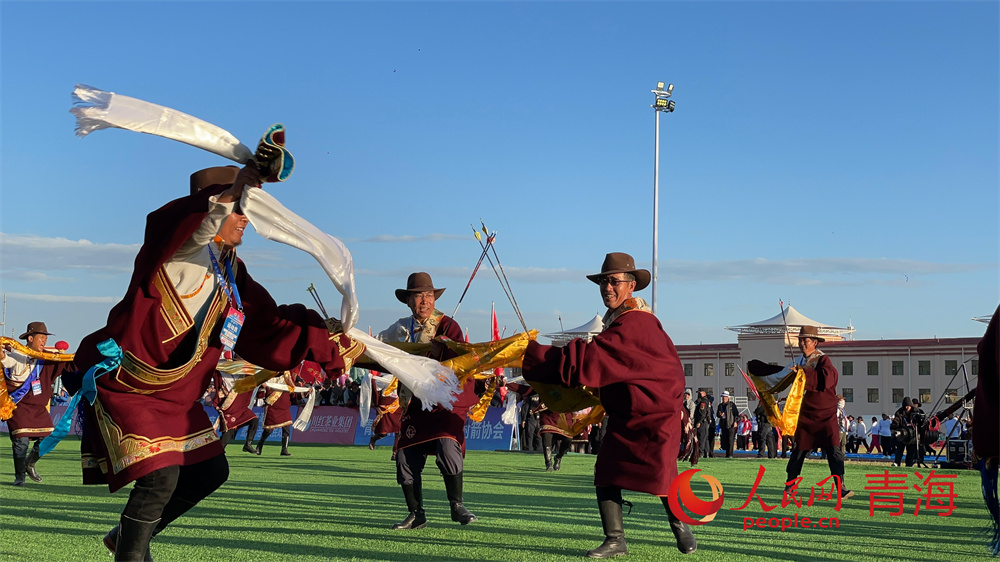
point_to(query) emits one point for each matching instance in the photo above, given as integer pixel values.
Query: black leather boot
(557, 462)
(29, 466)
(685, 538)
(614, 530)
(547, 452)
(453, 487)
(416, 518)
(132, 543)
(251, 431)
(111, 542)
(19, 465)
(263, 437)
(284, 446)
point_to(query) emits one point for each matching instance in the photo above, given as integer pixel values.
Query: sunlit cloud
(63, 298)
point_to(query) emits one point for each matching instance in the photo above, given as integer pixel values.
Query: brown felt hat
(810, 332)
(34, 328)
(219, 175)
(620, 262)
(417, 283)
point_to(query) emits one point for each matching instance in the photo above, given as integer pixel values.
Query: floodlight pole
(661, 103)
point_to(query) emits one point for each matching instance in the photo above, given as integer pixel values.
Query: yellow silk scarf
(785, 420)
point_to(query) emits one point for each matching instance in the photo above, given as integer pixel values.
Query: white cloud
(388, 238)
(63, 298)
(40, 254)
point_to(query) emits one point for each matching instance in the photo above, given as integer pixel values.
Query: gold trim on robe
(126, 450)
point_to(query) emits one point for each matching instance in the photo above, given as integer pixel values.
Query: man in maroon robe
(818, 425)
(29, 384)
(640, 380)
(438, 431)
(146, 424)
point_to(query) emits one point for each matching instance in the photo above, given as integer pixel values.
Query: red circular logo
(680, 494)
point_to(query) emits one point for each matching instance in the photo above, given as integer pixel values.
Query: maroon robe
(238, 413)
(818, 426)
(386, 422)
(641, 381)
(556, 422)
(278, 413)
(419, 426)
(31, 416)
(147, 414)
(986, 420)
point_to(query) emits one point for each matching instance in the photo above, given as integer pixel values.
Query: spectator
(874, 436)
(885, 436)
(352, 396)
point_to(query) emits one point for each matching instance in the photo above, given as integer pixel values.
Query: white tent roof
(790, 318)
(591, 328)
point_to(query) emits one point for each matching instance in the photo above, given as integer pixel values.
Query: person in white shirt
(874, 435)
(860, 434)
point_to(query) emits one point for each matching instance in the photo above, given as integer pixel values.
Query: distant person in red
(29, 384)
(640, 380)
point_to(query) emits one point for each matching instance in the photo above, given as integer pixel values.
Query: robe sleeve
(615, 355)
(280, 337)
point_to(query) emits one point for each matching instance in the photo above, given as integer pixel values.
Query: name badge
(231, 328)
(36, 387)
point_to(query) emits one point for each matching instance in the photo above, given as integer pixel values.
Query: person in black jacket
(767, 437)
(728, 417)
(905, 430)
(702, 421)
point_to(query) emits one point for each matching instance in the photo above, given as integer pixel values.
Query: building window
(709, 369)
(950, 367)
(848, 394)
(847, 368)
(873, 368)
(873, 396)
(730, 369)
(923, 367)
(925, 396)
(975, 367)
(950, 396)
(897, 395)
(688, 369)
(897, 368)
(731, 391)
(750, 394)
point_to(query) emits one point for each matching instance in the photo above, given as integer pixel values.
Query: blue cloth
(113, 359)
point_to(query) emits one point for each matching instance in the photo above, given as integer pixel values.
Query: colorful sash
(24, 388)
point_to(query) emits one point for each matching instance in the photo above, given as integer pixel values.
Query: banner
(337, 425)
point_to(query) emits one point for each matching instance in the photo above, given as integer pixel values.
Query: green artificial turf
(338, 502)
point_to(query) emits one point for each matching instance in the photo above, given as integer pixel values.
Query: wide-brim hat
(725, 394)
(219, 175)
(34, 328)
(810, 332)
(620, 262)
(418, 282)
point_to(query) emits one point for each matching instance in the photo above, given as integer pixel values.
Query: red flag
(494, 336)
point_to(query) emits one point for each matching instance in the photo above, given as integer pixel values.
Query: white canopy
(792, 319)
(585, 331)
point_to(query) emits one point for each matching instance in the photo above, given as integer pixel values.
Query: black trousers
(530, 439)
(558, 443)
(169, 492)
(768, 441)
(834, 458)
(410, 461)
(911, 453)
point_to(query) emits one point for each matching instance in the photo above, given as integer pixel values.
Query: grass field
(337, 503)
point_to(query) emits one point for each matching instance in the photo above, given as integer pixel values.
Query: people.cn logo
(680, 494)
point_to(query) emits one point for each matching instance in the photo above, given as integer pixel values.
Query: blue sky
(842, 157)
